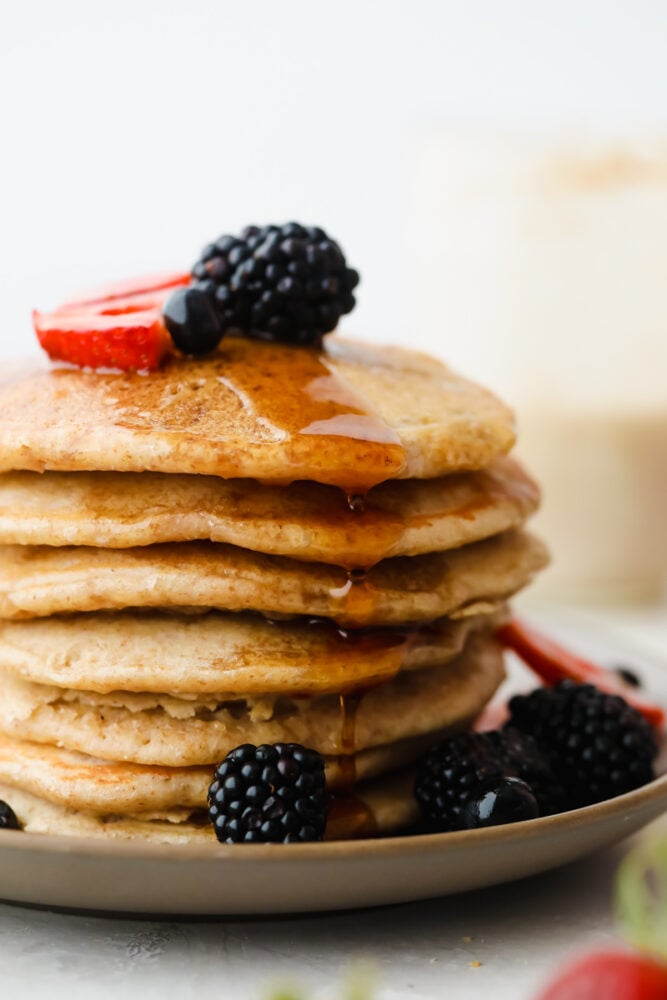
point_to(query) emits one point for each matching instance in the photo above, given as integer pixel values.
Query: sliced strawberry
(129, 289)
(141, 302)
(134, 341)
(610, 975)
(554, 663)
(493, 716)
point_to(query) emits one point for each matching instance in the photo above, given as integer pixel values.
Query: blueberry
(8, 820)
(192, 321)
(508, 800)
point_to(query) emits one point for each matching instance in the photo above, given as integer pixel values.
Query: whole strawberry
(610, 975)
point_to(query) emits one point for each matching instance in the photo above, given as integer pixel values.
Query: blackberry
(522, 757)
(8, 820)
(289, 283)
(597, 744)
(269, 794)
(478, 779)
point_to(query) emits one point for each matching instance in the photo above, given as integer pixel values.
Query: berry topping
(129, 341)
(192, 321)
(119, 326)
(8, 820)
(269, 794)
(483, 779)
(521, 755)
(289, 283)
(507, 800)
(597, 744)
(553, 663)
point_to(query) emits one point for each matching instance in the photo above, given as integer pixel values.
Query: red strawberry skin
(553, 663)
(148, 285)
(117, 327)
(610, 975)
(132, 341)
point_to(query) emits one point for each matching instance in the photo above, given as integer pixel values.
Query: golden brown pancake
(38, 815)
(44, 581)
(78, 781)
(151, 525)
(220, 653)
(160, 729)
(380, 806)
(304, 521)
(352, 415)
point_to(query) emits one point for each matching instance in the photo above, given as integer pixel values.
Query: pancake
(352, 415)
(380, 806)
(78, 781)
(272, 544)
(38, 815)
(216, 653)
(162, 730)
(304, 521)
(38, 581)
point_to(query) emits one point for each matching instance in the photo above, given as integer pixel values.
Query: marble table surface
(501, 942)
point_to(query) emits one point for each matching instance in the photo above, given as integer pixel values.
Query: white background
(134, 132)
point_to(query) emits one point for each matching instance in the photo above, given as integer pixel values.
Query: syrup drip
(374, 656)
(347, 808)
(297, 393)
(349, 816)
(377, 530)
(356, 502)
(356, 659)
(355, 600)
(349, 706)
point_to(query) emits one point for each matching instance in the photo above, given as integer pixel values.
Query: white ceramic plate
(261, 879)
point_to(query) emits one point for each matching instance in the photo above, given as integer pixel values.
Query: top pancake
(352, 415)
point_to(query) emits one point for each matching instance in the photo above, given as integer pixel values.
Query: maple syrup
(289, 405)
(356, 502)
(296, 392)
(388, 650)
(351, 659)
(354, 600)
(349, 816)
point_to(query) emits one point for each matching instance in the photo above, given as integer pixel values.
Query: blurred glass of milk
(540, 267)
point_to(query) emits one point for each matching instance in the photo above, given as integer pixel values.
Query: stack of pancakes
(272, 544)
